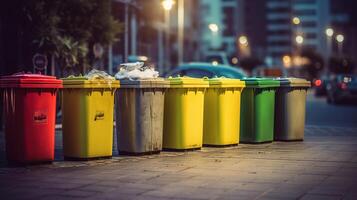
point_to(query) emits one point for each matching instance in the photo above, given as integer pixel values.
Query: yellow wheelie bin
(183, 114)
(87, 117)
(222, 112)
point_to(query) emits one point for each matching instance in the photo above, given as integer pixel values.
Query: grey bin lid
(294, 82)
(144, 83)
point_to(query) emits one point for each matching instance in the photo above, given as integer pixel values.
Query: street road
(318, 112)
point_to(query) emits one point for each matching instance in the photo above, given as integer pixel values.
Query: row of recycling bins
(179, 113)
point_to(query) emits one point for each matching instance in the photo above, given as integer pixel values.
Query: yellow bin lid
(187, 82)
(84, 82)
(225, 82)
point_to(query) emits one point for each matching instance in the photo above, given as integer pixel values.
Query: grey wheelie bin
(139, 116)
(290, 108)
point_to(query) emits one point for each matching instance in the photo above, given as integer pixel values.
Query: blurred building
(219, 22)
(254, 28)
(344, 21)
(147, 30)
(293, 25)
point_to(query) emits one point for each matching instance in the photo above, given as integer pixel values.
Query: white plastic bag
(135, 71)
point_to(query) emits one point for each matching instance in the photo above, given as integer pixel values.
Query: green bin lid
(84, 82)
(255, 82)
(144, 83)
(187, 82)
(294, 82)
(223, 82)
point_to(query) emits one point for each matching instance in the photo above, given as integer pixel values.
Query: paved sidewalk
(324, 166)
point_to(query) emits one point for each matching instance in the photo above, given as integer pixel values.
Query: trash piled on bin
(97, 74)
(88, 133)
(135, 71)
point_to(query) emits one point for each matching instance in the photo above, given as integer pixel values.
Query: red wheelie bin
(30, 107)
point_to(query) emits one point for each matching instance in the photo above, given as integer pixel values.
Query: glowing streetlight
(243, 40)
(234, 60)
(329, 32)
(340, 38)
(299, 39)
(215, 63)
(287, 61)
(167, 4)
(296, 21)
(213, 27)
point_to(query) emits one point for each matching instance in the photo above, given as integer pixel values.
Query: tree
(314, 62)
(341, 65)
(67, 29)
(249, 63)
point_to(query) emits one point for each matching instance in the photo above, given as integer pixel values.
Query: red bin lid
(22, 80)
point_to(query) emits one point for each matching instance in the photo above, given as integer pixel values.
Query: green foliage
(315, 62)
(68, 28)
(249, 63)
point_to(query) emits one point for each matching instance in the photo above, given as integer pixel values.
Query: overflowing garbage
(95, 74)
(135, 71)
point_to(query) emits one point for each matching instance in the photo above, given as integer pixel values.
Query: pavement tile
(331, 190)
(320, 197)
(322, 167)
(78, 193)
(239, 194)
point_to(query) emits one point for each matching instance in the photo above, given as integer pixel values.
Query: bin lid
(255, 82)
(294, 82)
(84, 82)
(187, 82)
(23, 80)
(145, 83)
(223, 82)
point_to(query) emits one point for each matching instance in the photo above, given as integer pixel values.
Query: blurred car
(267, 72)
(320, 85)
(217, 58)
(341, 87)
(200, 70)
(139, 58)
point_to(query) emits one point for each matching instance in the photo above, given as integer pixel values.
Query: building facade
(219, 26)
(293, 25)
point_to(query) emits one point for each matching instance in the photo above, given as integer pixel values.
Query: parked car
(341, 87)
(199, 70)
(217, 57)
(320, 85)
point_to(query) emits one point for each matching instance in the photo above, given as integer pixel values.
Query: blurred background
(312, 39)
(305, 38)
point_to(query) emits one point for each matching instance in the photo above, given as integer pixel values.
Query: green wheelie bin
(290, 108)
(257, 110)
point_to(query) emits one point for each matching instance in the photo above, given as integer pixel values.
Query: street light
(213, 27)
(243, 45)
(167, 4)
(296, 21)
(243, 40)
(286, 61)
(340, 38)
(329, 32)
(299, 39)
